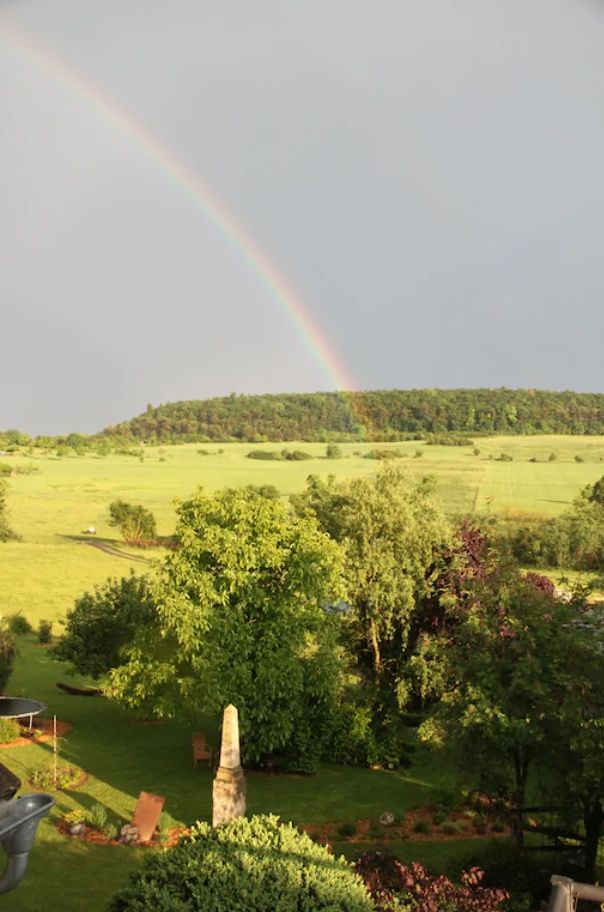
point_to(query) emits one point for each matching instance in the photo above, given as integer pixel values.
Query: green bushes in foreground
(255, 865)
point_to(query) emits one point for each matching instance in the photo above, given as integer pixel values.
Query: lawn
(41, 575)
(122, 756)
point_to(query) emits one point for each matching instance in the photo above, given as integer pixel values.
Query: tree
(596, 492)
(6, 533)
(135, 522)
(103, 622)
(393, 534)
(241, 619)
(255, 865)
(500, 672)
(333, 451)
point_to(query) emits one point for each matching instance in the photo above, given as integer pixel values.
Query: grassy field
(42, 574)
(122, 756)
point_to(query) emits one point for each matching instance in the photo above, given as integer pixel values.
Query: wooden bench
(201, 751)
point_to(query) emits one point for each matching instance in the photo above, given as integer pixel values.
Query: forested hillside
(376, 415)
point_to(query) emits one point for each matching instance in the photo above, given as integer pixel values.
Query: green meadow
(51, 507)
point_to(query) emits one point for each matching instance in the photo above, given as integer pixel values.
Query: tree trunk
(520, 777)
(377, 656)
(593, 817)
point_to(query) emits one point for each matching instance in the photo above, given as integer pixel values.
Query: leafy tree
(135, 522)
(255, 865)
(6, 533)
(393, 534)
(103, 622)
(500, 671)
(573, 757)
(333, 451)
(596, 493)
(241, 618)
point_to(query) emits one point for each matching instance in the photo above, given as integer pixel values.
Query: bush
(396, 886)
(75, 817)
(101, 623)
(67, 776)
(44, 632)
(422, 826)
(384, 454)
(333, 451)
(97, 816)
(347, 829)
(265, 454)
(135, 522)
(438, 818)
(9, 730)
(552, 457)
(8, 653)
(255, 865)
(18, 624)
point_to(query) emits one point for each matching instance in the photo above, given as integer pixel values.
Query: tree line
(371, 415)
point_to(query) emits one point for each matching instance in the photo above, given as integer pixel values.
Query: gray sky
(427, 174)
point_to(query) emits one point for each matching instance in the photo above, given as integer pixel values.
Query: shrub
(422, 826)
(75, 817)
(505, 457)
(450, 828)
(446, 795)
(18, 624)
(255, 865)
(438, 818)
(112, 830)
(97, 816)
(376, 831)
(265, 454)
(552, 457)
(333, 451)
(395, 886)
(67, 776)
(135, 522)
(384, 454)
(347, 829)
(9, 730)
(579, 459)
(44, 632)
(101, 623)
(8, 652)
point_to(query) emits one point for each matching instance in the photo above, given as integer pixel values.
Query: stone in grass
(128, 834)
(386, 818)
(78, 829)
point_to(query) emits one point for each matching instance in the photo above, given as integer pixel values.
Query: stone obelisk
(229, 784)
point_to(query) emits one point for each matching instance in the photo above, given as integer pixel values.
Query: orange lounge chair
(146, 815)
(201, 751)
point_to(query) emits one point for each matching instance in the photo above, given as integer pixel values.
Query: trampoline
(20, 708)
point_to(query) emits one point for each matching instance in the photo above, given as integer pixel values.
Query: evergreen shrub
(247, 865)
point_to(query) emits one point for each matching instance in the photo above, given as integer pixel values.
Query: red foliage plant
(388, 880)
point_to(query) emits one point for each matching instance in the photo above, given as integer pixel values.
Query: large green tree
(242, 609)
(394, 536)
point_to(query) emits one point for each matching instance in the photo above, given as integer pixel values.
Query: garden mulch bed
(42, 732)
(98, 838)
(466, 829)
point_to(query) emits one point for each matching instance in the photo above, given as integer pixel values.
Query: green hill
(371, 415)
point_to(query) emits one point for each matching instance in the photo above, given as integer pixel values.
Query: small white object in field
(91, 530)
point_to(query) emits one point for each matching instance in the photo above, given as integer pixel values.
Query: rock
(78, 829)
(386, 819)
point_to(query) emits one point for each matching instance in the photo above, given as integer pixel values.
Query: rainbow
(187, 180)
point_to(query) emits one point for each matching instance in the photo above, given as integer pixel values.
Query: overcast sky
(427, 174)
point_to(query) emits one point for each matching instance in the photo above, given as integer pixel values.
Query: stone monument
(229, 784)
